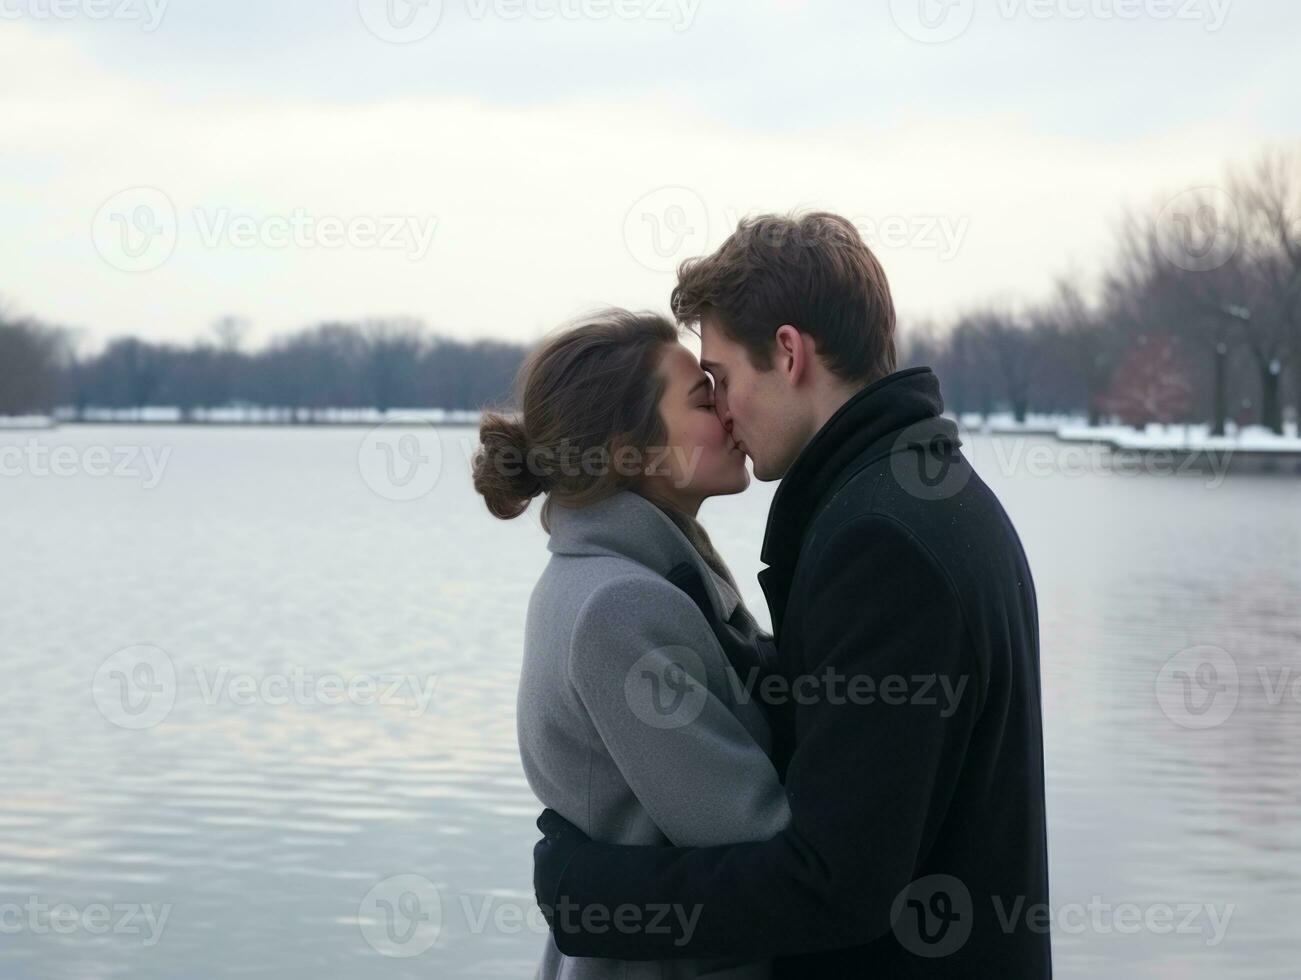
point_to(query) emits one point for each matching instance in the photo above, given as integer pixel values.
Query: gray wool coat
(632, 723)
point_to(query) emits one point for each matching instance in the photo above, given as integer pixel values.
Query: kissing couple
(859, 793)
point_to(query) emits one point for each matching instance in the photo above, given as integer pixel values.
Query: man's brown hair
(812, 271)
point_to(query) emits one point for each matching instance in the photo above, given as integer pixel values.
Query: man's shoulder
(867, 497)
(950, 515)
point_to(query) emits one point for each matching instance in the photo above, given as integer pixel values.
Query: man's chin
(761, 474)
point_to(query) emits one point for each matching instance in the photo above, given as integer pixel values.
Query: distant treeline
(378, 364)
(1197, 318)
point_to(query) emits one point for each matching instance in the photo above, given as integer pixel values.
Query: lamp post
(1221, 368)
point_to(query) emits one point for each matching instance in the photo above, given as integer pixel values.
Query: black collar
(870, 425)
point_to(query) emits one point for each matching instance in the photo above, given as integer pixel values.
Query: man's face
(757, 408)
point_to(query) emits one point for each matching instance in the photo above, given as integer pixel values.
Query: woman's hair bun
(501, 472)
(591, 387)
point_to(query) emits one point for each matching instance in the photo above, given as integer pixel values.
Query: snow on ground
(1005, 422)
(1253, 438)
(26, 422)
(1154, 436)
(1068, 428)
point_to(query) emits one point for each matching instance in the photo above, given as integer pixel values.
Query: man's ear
(791, 354)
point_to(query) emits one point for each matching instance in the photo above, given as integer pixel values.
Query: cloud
(536, 211)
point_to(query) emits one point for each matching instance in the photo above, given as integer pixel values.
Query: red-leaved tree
(1151, 383)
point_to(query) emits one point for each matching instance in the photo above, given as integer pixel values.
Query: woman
(633, 722)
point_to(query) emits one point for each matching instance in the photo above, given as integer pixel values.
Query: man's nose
(722, 411)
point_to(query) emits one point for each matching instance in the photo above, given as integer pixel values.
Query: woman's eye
(708, 405)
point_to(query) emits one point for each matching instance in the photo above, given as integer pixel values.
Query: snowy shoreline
(23, 422)
(1251, 448)
(1186, 438)
(1247, 445)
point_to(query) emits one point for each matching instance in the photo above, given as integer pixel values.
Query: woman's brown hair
(586, 396)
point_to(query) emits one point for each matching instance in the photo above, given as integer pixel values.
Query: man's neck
(828, 401)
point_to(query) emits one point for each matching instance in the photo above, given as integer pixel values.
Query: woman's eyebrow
(703, 382)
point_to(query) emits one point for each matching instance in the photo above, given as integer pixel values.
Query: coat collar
(628, 525)
(875, 422)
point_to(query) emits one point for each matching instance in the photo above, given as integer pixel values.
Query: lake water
(191, 789)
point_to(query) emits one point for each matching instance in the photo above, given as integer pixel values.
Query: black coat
(907, 724)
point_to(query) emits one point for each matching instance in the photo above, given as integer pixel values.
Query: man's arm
(875, 767)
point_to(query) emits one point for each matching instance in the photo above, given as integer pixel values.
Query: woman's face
(700, 460)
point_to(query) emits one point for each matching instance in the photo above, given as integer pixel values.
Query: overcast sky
(496, 166)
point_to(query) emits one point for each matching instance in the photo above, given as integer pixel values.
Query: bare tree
(1268, 223)
(230, 332)
(1011, 351)
(1168, 278)
(1078, 347)
(392, 355)
(30, 353)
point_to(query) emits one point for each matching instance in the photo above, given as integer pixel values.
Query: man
(906, 709)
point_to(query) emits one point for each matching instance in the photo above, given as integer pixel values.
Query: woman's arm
(638, 660)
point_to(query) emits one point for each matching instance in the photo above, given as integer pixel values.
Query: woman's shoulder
(579, 576)
(570, 584)
(600, 599)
